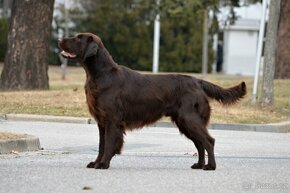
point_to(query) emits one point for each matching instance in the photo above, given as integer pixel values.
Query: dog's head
(80, 47)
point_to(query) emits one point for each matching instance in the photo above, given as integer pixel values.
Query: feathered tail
(225, 96)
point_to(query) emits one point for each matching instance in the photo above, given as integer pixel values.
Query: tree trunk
(26, 61)
(282, 69)
(270, 51)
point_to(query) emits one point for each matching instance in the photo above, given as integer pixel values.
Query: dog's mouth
(67, 54)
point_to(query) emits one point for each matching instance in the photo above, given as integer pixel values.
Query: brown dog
(121, 99)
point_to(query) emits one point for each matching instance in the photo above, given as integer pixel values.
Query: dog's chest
(93, 104)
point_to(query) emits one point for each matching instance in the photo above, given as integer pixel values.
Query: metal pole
(259, 51)
(65, 18)
(205, 44)
(5, 9)
(64, 61)
(156, 42)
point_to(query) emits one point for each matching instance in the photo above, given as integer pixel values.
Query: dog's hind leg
(101, 148)
(207, 142)
(201, 155)
(209, 146)
(192, 127)
(199, 146)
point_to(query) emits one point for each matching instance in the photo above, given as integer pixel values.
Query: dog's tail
(226, 96)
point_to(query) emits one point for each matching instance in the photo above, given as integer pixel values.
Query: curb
(30, 143)
(282, 127)
(47, 118)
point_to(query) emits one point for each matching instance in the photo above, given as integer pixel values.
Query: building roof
(244, 24)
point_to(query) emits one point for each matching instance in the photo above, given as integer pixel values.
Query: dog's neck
(99, 64)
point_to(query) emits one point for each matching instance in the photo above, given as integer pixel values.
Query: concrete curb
(47, 118)
(29, 143)
(282, 127)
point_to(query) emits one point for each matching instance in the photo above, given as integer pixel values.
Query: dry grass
(10, 136)
(244, 111)
(64, 97)
(68, 98)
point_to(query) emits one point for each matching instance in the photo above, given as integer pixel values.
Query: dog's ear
(92, 48)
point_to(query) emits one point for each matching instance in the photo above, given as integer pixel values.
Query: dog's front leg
(101, 148)
(113, 145)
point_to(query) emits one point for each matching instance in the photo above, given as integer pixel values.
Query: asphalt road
(153, 160)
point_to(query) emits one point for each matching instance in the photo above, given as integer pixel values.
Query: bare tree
(270, 52)
(26, 61)
(282, 68)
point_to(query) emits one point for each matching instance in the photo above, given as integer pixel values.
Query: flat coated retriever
(122, 99)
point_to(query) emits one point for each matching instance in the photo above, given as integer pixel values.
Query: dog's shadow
(93, 149)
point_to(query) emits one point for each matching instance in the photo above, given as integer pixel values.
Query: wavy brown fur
(226, 96)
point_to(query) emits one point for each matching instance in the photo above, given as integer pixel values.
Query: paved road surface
(153, 160)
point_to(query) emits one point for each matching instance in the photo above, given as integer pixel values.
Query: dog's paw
(197, 166)
(101, 166)
(209, 167)
(91, 165)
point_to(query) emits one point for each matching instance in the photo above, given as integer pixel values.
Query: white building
(240, 41)
(240, 47)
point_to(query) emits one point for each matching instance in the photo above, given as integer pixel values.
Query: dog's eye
(79, 38)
